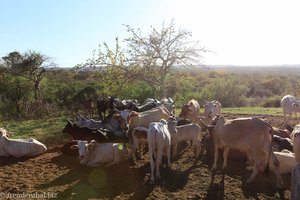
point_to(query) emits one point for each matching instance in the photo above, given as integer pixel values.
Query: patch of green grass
(253, 110)
(245, 110)
(48, 131)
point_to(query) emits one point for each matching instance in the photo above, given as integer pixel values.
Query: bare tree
(150, 57)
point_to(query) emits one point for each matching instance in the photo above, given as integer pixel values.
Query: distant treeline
(62, 90)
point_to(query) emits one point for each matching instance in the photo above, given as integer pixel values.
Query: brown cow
(250, 135)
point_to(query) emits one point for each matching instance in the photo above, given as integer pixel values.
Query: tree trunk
(36, 90)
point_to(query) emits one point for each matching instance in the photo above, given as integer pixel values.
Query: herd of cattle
(128, 127)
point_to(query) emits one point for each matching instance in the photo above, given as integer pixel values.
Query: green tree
(31, 65)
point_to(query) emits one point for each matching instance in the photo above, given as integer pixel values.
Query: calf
(188, 132)
(143, 119)
(295, 136)
(139, 137)
(159, 143)
(19, 147)
(95, 154)
(250, 135)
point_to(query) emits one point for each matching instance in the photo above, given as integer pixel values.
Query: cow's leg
(175, 146)
(116, 158)
(250, 161)
(158, 162)
(225, 155)
(216, 152)
(254, 173)
(169, 157)
(140, 149)
(284, 117)
(133, 153)
(198, 148)
(151, 164)
(274, 167)
(134, 147)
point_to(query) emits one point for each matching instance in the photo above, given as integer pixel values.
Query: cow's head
(210, 108)
(186, 111)
(172, 122)
(81, 146)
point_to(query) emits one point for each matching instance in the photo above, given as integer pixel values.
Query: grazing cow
(139, 137)
(19, 147)
(190, 110)
(250, 135)
(211, 109)
(289, 105)
(95, 154)
(295, 136)
(159, 143)
(186, 133)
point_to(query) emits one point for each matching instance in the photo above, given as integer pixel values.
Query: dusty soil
(61, 176)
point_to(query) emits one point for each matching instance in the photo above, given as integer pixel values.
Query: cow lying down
(19, 147)
(95, 154)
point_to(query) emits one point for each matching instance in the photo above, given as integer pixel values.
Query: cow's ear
(75, 146)
(91, 145)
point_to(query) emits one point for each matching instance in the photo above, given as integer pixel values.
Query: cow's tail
(152, 132)
(271, 131)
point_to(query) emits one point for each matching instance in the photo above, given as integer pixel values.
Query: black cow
(84, 133)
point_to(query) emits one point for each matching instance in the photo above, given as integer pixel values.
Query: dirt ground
(61, 176)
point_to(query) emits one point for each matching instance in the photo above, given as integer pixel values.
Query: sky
(236, 32)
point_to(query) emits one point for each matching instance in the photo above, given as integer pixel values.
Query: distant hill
(272, 69)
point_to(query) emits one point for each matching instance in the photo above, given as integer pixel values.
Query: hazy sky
(240, 32)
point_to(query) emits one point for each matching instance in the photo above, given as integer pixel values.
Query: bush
(272, 102)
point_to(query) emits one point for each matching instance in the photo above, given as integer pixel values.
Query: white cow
(186, 133)
(295, 136)
(159, 144)
(95, 154)
(169, 104)
(250, 135)
(139, 137)
(287, 161)
(289, 105)
(211, 109)
(19, 147)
